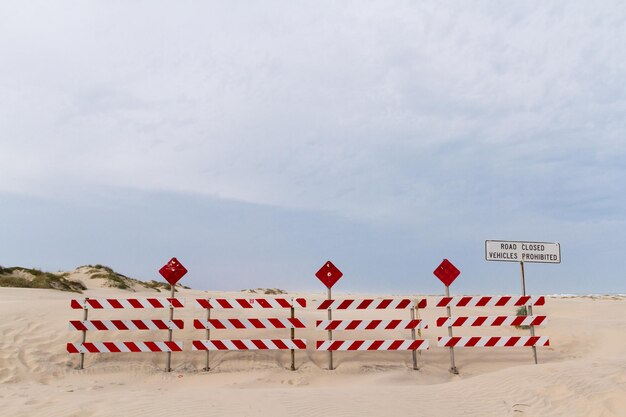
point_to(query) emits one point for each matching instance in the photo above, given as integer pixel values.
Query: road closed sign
(514, 251)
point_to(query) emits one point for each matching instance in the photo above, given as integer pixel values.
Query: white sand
(583, 373)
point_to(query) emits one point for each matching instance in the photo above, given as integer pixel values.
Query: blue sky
(256, 140)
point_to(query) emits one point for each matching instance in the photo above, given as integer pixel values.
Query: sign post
(329, 274)
(447, 273)
(522, 251)
(172, 271)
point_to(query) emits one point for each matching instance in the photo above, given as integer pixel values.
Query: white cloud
(391, 111)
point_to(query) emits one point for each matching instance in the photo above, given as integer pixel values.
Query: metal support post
(169, 332)
(82, 355)
(330, 332)
(293, 335)
(449, 311)
(414, 352)
(208, 336)
(529, 310)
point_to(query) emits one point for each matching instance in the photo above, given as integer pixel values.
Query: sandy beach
(582, 373)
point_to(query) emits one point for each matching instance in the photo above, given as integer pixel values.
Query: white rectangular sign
(513, 251)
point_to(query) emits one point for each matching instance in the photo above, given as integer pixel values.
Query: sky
(256, 140)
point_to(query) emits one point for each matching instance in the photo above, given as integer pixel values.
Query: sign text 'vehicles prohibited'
(514, 251)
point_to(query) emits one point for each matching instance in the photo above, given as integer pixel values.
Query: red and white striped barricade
(491, 321)
(124, 325)
(413, 324)
(209, 324)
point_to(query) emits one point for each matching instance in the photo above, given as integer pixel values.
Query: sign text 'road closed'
(514, 251)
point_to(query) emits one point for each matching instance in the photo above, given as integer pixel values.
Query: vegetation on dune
(521, 311)
(267, 291)
(40, 279)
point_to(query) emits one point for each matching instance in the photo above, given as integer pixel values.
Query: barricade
(491, 321)
(124, 325)
(413, 324)
(209, 324)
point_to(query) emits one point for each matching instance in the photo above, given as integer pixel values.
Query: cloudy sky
(256, 140)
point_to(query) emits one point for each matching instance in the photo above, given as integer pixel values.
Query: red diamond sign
(446, 272)
(173, 271)
(329, 274)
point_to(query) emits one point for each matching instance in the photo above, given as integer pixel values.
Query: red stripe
(114, 303)
(132, 346)
(364, 304)
(219, 345)
(135, 303)
(276, 323)
(90, 347)
(453, 341)
(538, 320)
(237, 323)
(413, 324)
(375, 345)
(404, 303)
(173, 346)
(152, 346)
(301, 302)
(464, 301)
(441, 321)
(518, 320)
(541, 301)
(460, 321)
(324, 305)
(422, 303)
(335, 345)
(345, 304)
(472, 341)
(78, 325)
(263, 303)
(482, 301)
(333, 324)
(383, 304)
(280, 344)
(444, 302)
(373, 324)
(198, 345)
(155, 303)
(94, 303)
(392, 324)
(98, 324)
(283, 303)
(111, 347)
(71, 348)
(512, 341)
(75, 304)
(160, 324)
(239, 344)
(223, 303)
(395, 345)
(318, 343)
(300, 344)
(356, 344)
(491, 341)
(479, 321)
(176, 303)
(197, 324)
(522, 300)
(259, 344)
(297, 323)
(502, 301)
(204, 303)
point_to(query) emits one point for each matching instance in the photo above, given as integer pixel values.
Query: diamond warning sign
(329, 274)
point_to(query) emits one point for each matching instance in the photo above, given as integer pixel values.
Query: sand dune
(583, 373)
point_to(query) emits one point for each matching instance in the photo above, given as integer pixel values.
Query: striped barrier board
(101, 303)
(370, 324)
(249, 344)
(334, 345)
(487, 341)
(490, 301)
(227, 303)
(121, 347)
(126, 324)
(366, 304)
(270, 323)
(491, 321)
